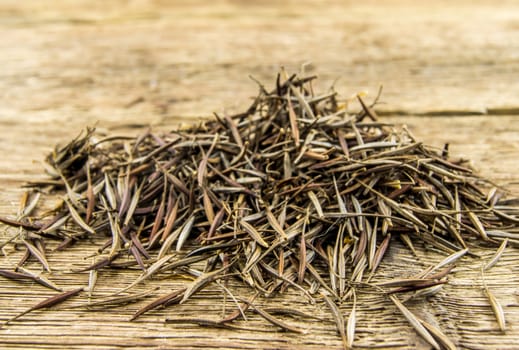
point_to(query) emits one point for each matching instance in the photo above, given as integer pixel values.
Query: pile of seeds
(295, 192)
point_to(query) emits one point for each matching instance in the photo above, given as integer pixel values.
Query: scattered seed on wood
(294, 192)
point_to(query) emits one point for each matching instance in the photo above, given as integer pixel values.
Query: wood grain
(449, 71)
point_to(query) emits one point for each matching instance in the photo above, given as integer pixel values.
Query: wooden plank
(83, 61)
(128, 65)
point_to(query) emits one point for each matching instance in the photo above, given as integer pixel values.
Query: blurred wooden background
(450, 71)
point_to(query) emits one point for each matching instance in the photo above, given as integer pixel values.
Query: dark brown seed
(54, 300)
(176, 295)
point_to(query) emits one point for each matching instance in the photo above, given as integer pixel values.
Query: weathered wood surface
(126, 65)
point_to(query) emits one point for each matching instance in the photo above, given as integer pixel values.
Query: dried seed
(438, 334)
(352, 320)
(415, 323)
(497, 255)
(202, 281)
(253, 233)
(450, 259)
(77, 218)
(37, 254)
(339, 319)
(498, 310)
(54, 300)
(175, 295)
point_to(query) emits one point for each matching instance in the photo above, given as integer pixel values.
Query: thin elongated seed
(117, 301)
(381, 251)
(274, 273)
(437, 275)
(426, 292)
(497, 255)
(450, 259)
(442, 171)
(71, 194)
(137, 256)
(77, 218)
(133, 205)
(292, 312)
(316, 203)
(373, 145)
(14, 275)
(339, 319)
(149, 272)
(415, 323)
(99, 264)
(275, 224)
(19, 223)
(352, 320)
(254, 233)
(498, 310)
(28, 275)
(177, 183)
(90, 197)
(166, 245)
(167, 298)
(56, 225)
(159, 217)
(293, 120)
(240, 155)
(277, 322)
(216, 223)
(24, 258)
(202, 168)
(270, 318)
(110, 194)
(208, 206)
(396, 207)
(31, 206)
(116, 236)
(234, 130)
(202, 281)
(23, 203)
(137, 243)
(302, 255)
(92, 279)
(186, 230)
(170, 221)
(303, 102)
(37, 254)
(418, 286)
(240, 310)
(340, 201)
(439, 335)
(405, 238)
(39, 279)
(358, 211)
(368, 110)
(54, 300)
(332, 263)
(358, 137)
(478, 225)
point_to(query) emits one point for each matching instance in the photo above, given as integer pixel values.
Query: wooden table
(449, 71)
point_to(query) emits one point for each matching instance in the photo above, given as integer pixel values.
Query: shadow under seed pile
(294, 192)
